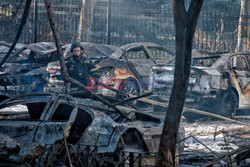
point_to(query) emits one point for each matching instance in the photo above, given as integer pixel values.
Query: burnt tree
(185, 24)
(58, 43)
(79, 34)
(86, 15)
(242, 26)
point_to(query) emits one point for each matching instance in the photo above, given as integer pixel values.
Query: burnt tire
(228, 104)
(130, 86)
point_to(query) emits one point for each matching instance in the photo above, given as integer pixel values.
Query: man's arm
(93, 70)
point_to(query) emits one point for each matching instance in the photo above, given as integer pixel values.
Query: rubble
(213, 139)
(25, 70)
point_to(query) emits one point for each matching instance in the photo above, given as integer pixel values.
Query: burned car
(81, 123)
(25, 69)
(126, 68)
(130, 67)
(222, 80)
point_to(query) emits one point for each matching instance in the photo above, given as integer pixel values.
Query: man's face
(77, 51)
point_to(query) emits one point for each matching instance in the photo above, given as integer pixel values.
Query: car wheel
(129, 143)
(228, 104)
(130, 86)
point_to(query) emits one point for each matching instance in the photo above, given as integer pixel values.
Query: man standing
(79, 66)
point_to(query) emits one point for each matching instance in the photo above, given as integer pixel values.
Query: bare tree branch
(20, 29)
(58, 42)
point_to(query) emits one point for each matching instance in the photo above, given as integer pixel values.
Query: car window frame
(160, 48)
(237, 56)
(124, 55)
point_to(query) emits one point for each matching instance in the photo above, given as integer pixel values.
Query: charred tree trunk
(20, 29)
(79, 34)
(248, 25)
(241, 26)
(88, 18)
(58, 42)
(185, 24)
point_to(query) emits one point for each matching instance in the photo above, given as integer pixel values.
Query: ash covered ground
(209, 138)
(213, 138)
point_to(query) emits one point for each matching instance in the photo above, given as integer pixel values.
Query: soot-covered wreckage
(219, 79)
(130, 64)
(54, 129)
(25, 69)
(43, 121)
(75, 124)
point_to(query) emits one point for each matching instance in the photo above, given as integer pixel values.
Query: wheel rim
(130, 88)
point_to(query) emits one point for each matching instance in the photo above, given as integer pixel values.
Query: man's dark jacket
(80, 68)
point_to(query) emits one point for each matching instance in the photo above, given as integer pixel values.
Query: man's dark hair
(75, 45)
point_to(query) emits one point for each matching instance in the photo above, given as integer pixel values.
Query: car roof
(138, 44)
(4, 46)
(40, 48)
(95, 50)
(225, 56)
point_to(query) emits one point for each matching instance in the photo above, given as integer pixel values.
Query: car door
(240, 66)
(57, 121)
(140, 60)
(20, 116)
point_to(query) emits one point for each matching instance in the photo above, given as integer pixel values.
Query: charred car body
(130, 67)
(80, 122)
(220, 79)
(25, 69)
(127, 67)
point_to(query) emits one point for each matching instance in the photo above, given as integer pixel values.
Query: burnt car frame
(219, 79)
(127, 67)
(131, 66)
(81, 122)
(25, 69)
